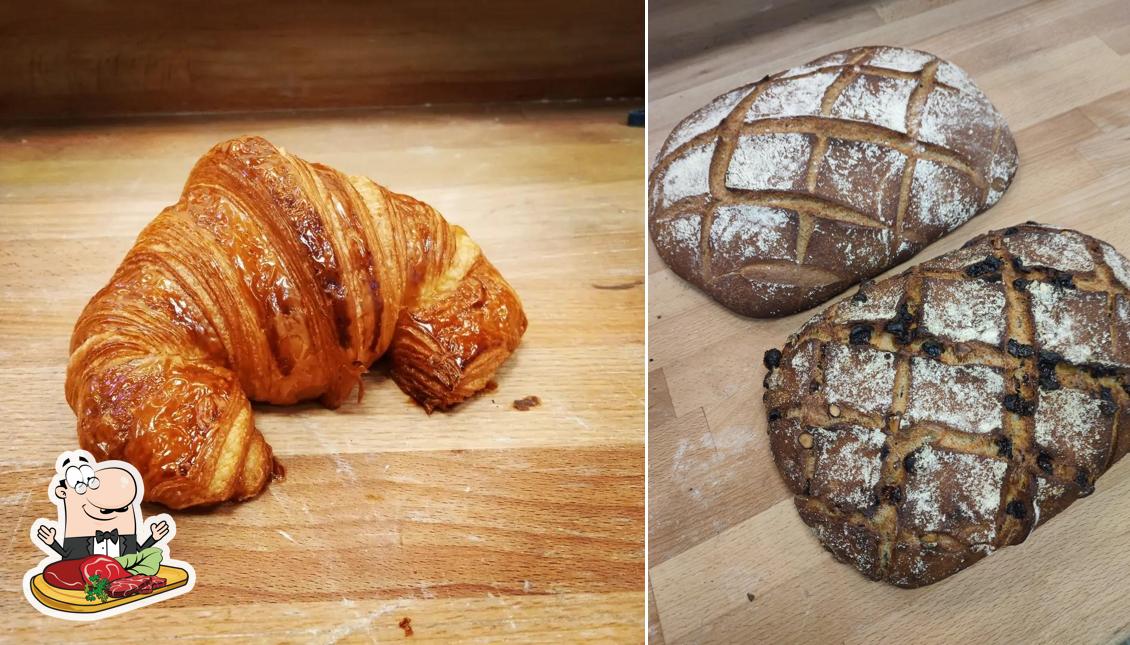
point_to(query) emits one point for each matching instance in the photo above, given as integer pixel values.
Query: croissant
(277, 280)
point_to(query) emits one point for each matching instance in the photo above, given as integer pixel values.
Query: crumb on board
(278, 470)
(749, 597)
(406, 624)
(527, 403)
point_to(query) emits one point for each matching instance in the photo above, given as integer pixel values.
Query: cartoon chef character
(99, 514)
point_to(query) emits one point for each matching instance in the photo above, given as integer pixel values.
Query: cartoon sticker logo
(102, 560)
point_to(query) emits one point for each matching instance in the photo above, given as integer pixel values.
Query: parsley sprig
(96, 589)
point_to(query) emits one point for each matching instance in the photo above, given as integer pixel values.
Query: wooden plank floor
(730, 560)
(485, 523)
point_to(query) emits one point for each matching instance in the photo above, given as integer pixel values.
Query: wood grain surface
(485, 523)
(730, 560)
(72, 58)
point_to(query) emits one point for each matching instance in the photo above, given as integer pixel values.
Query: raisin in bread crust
(948, 411)
(780, 194)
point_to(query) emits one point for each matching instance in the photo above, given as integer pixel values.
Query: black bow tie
(102, 536)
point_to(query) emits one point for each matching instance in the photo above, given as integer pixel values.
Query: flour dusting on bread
(752, 232)
(963, 310)
(834, 140)
(792, 97)
(1118, 264)
(966, 398)
(831, 60)
(940, 196)
(705, 119)
(875, 99)
(1074, 324)
(987, 392)
(950, 118)
(1048, 495)
(954, 76)
(847, 465)
(879, 302)
(860, 377)
(949, 489)
(684, 231)
(1065, 251)
(769, 162)
(850, 166)
(1070, 423)
(903, 60)
(688, 175)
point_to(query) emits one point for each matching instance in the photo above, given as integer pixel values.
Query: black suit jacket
(73, 548)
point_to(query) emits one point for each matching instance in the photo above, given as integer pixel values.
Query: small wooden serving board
(74, 601)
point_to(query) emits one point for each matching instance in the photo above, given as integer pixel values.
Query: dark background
(99, 58)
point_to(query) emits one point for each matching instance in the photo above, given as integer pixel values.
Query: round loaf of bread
(948, 411)
(779, 194)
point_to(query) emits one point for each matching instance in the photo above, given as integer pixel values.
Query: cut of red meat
(74, 574)
(64, 574)
(102, 565)
(126, 587)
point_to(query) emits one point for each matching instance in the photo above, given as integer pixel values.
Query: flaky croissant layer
(275, 280)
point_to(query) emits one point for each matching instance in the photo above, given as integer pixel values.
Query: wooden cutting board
(730, 560)
(485, 523)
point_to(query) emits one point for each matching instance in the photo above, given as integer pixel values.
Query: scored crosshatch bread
(779, 194)
(948, 411)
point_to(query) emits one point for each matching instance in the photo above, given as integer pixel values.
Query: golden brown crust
(276, 280)
(950, 410)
